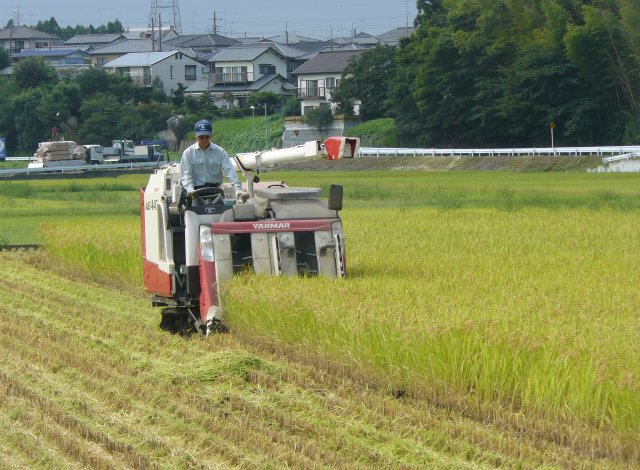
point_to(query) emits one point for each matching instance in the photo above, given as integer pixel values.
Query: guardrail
(81, 168)
(618, 158)
(498, 152)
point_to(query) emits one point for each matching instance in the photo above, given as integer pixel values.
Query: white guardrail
(616, 152)
(77, 168)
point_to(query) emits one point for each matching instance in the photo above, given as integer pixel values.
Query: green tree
(366, 79)
(7, 122)
(178, 95)
(291, 107)
(33, 72)
(114, 27)
(259, 98)
(30, 127)
(4, 58)
(60, 107)
(320, 118)
(49, 26)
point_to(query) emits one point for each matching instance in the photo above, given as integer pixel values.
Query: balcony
(140, 80)
(311, 93)
(230, 78)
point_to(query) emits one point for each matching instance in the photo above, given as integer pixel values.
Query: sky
(317, 19)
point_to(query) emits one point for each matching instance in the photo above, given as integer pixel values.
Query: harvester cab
(192, 244)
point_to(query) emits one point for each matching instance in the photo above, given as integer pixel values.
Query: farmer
(204, 164)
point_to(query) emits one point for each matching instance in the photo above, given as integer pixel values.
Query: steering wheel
(207, 193)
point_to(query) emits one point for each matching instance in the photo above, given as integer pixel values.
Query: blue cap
(202, 127)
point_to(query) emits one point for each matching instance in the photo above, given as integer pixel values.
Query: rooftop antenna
(17, 16)
(172, 7)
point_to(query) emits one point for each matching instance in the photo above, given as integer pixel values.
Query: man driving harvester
(204, 164)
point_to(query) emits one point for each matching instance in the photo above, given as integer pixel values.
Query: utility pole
(266, 128)
(214, 22)
(253, 112)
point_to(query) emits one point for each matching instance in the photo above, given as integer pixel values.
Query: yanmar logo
(271, 225)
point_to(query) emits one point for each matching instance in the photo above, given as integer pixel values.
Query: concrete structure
(297, 132)
(172, 67)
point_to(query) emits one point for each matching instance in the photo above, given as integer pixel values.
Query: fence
(74, 169)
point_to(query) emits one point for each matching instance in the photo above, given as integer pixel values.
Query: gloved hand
(242, 196)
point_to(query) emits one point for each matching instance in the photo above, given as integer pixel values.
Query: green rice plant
(499, 307)
(107, 252)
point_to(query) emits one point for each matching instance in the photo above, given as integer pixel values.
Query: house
(201, 43)
(91, 41)
(107, 53)
(393, 36)
(319, 75)
(239, 70)
(362, 39)
(15, 39)
(172, 67)
(54, 56)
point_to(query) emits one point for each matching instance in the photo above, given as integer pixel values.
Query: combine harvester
(190, 245)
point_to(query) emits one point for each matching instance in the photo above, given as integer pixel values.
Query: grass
(511, 297)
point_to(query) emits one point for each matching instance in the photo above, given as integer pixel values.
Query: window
(146, 79)
(171, 71)
(41, 45)
(331, 83)
(18, 46)
(100, 61)
(190, 72)
(126, 71)
(231, 74)
(267, 68)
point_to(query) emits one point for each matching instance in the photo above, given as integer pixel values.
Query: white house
(172, 67)
(239, 70)
(321, 74)
(15, 39)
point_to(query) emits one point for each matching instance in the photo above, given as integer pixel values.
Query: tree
(114, 27)
(290, 107)
(33, 72)
(4, 58)
(367, 79)
(178, 95)
(319, 118)
(29, 126)
(60, 107)
(49, 26)
(259, 98)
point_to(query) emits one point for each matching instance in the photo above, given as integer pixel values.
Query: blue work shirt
(198, 167)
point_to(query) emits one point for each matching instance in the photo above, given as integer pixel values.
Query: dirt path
(87, 380)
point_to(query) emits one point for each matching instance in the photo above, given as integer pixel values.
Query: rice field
(510, 298)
